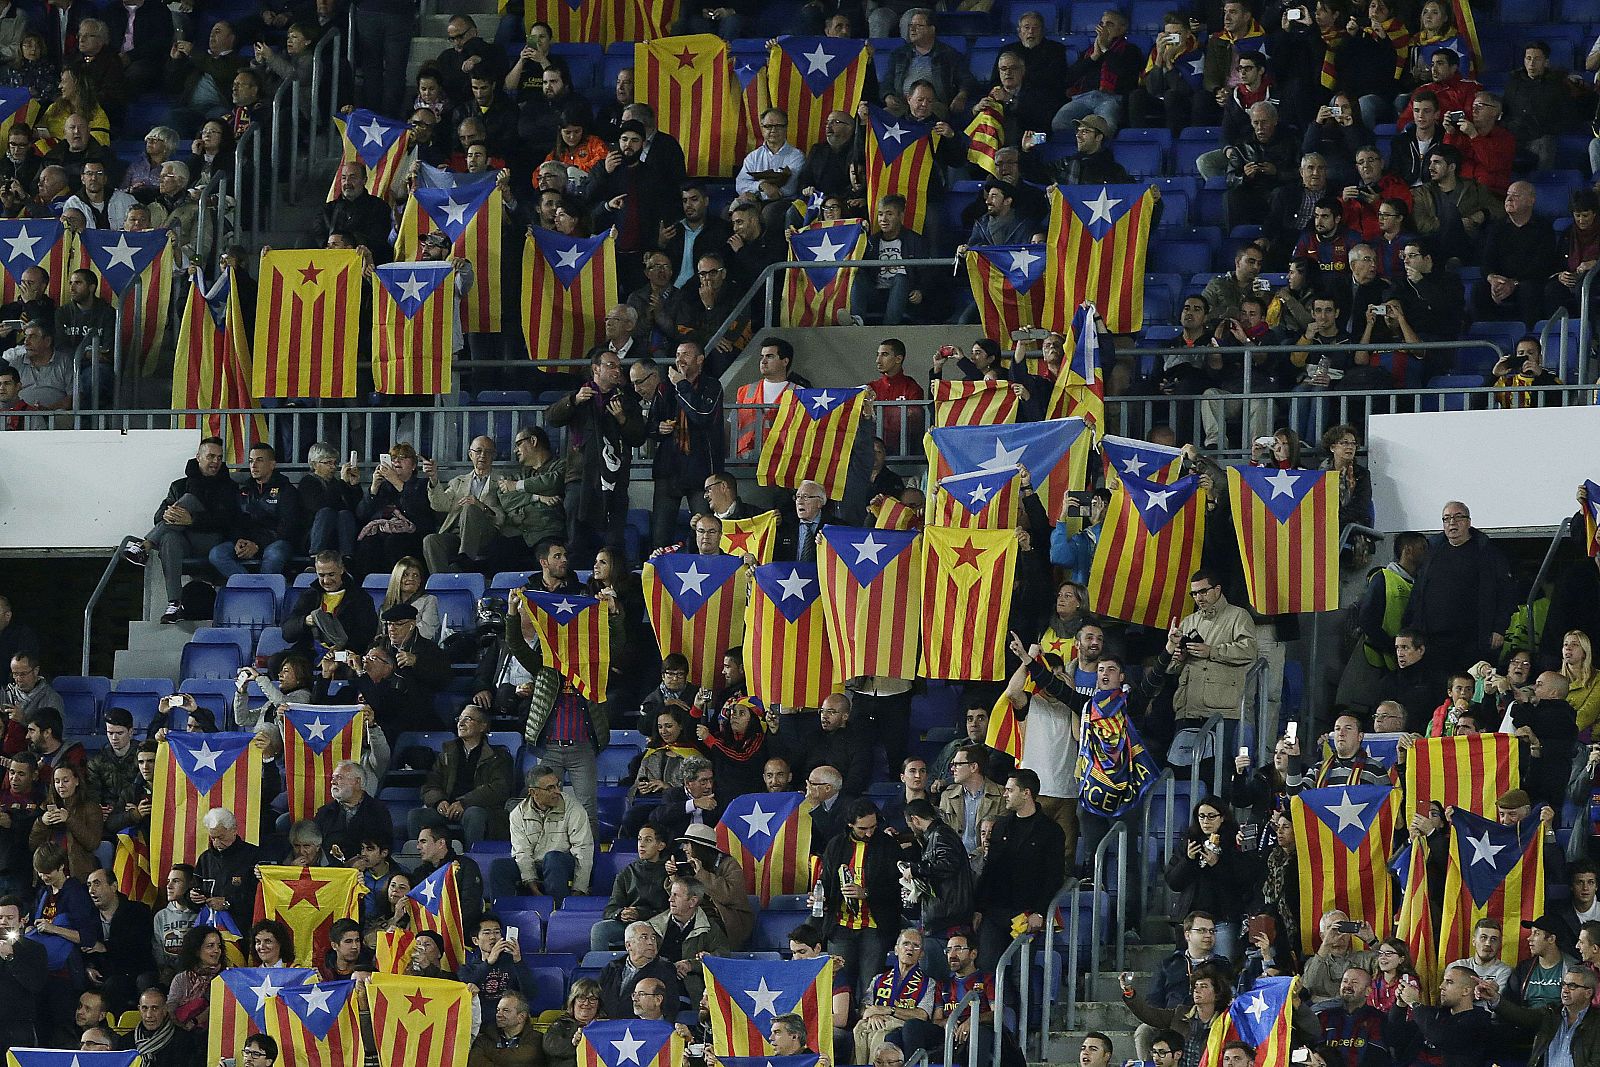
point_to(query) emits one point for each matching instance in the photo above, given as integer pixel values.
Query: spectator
(512, 1039)
(770, 174)
(1256, 164)
(692, 803)
(1561, 1024)
(1351, 1025)
(1019, 104)
(860, 894)
(1455, 1028)
(353, 816)
(71, 819)
(1335, 954)
(1094, 164)
(972, 797)
(582, 1007)
(329, 497)
(1485, 960)
(891, 295)
(469, 783)
(1167, 95)
(1337, 134)
(28, 696)
(1327, 241)
(1458, 601)
(44, 731)
(1538, 104)
(828, 805)
(1056, 726)
(334, 613)
(199, 961)
(1408, 153)
(10, 401)
(23, 975)
(1431, 302)
(1211, 875)
(395, 515)
(902, 994)
(843, 746)
(1577, 251)
(1102, 77)
(1453, 91)
(902, 422)
(531, 504)
(1224, 293)
(113, 769)
(1210, 650)
(692, 236)
(699, 311)
(1487, 148)
(47, 381)
(637, 892)
(924, 58)
(605, 426)
(356, 212)
(942, 872)
(470, 509)
(1518, 259)
(1292, 205)
(436, 850)
(1001, 224)
(1348, 762)
(686, 931)
(1548, 725)
(1023, 869)
(738, 746)
(1209, 993)
(552, 845)
(269, 519)
(224, 875)
(205, 77)
(157, 1038)
(688, 420)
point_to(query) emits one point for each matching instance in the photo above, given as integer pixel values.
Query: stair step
(1105, 1015)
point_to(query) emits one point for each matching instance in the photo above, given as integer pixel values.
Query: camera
(1295, 14)
(1033, 139)
(1029, 333)
(1381, 310)
(1347, 926)
(1335, 111)
(1172, 38)
(1456, 117)
(1266, 442)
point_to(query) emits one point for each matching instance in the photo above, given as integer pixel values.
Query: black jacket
(218, 493)
(269, 512)
(700, 403)
(230, 873)
(881, 879)
(671, 816)
(946, 868)
(22, 979)
(410, 500)
(370, 821)
(827, 169)
(129, 950)
(616, 994)
(1025, 868)
(318, 493)
(849, 751)
(1461, 590)
(713, 237)
(355, 613)
(366, 218)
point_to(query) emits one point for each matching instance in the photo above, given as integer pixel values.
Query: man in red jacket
(1487, 148)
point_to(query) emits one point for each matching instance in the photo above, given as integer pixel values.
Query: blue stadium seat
(142, 698)
(586, 61)
(271, 642)
(882, 47)
(1083, 15)
(568, 931)
(377, 586)
(1521, 12)
(1211, 135)
(210, 660)
(1142, 135)
(1210, 206)
(607, 865)
(1185, 153)
(628, 737)
(582, 903)
(84, 698)
(983, 57)
(1181, 256)
(547, 989)
(937, 705)
(1451, 401)
(1142, 159)
(213, 694)
(612, 764)
(772, 928)
(251, 608)
(458, 597)
(510, 740)
(1478, 360)
(1013, 10)
(237, 636)
(612, 802)
(504, 582)
(1147, 15)
(529, 926)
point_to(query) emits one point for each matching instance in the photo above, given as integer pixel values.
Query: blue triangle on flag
(12, 100)
(1157, 503)
(866, 552)
(625, 1042)
(749, 68)
(1488, 851)
(122, 255)
(25, 243)
(691, 580)
(1280, 489)
(410, 284)
(254, 987)
(429, 892)
(205, 758)
(1347, 810)
(430, 177)
(1085, 361)
(223, 921)
(820, 403)
(820, 60)
(978, 490)
(756, 818)
(562, 607)
(765, 989)
(790, 586)
(55, 1057)
(825, 244)
(1023, 265)
(1137, 459)
(453, 209)
(1255, 1013)
(1037, 446)
(371, 134)
(567, 256)
(216, 296)
(319, 1005)
(895, 135)
(1100, 207)
(319, 725)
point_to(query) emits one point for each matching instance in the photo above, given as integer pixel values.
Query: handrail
(1068, 895)
(1357, 528)
(1120, 831)
(1212, 725)
(972, 1000)
(1585, 325)
(321, 125)
(99, 591)
(1257, 673)
(1538, 579)
(200, 227)
(247, 160)
(1017, 949)
(1166, 776)
(1561, 318)
(918, 1058)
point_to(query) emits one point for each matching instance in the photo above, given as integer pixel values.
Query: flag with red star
(317, 1025)
(1098, 238)
(786, 656)
(420, 1020)
(195, 773)
(317, 738)
(690, 83)
(308, 900)
(308, 310)
(575, 636)
(757, 535)
(966, 598)
(436, 905)
(238, 1005)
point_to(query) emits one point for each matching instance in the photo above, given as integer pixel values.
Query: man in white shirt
(1485, 960)
(771, 173)
(1050, 747)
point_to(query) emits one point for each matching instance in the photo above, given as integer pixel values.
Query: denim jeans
(274, 558)
(474, 825)
(606, 935)
(383, 42)
(893, 302)
(579, 764)
(555, 869)
(1097, 102)
(333, 529)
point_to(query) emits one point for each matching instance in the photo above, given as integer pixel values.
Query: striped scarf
(1399, 37)
(1331, 40)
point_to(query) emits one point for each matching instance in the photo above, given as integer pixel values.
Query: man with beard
(827, 166)
(629, 197)
(604, 425)
(358, 213)
(693, 235)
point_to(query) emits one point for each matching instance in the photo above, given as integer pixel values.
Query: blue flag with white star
(1038, 447)
(411, 284)
(628, 1043)
(977, 490)
(1158, 503)
(254, 987)
(756, 818)
(372, 135)
(895, 135)
(790, 586)
(123, 255)
(1140, 459)
(567, 256)
(431, 177)
(26, 243)
(820, 60)
(55, 1057)
(1347, 810)
(691, 580)
(826, 244)
(1256, 1014)
(1022, 265)
(1280, 489)
(205, 758)
(452, 209)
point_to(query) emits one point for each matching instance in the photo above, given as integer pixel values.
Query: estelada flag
(696, 607)
(1161, 464)
(19, 1056)
(43, 243)
(1343, 835)
(211, 369)
(811, 439)
(377, 142)
(1591, 519)
(1079, 388)
(809, 1059)
(986, 135)
(979, 403)
(769, 835)
(629, 1043)
(1414, 923)
(471, 212)
(786, 656)
(638, 20)
(1005, 285)
(238, 1005)
(809, 77)
(1006, 732)
(1044, 449)
(124, 258)
(1494, 872)
(568, 284)
(575, 632)
(871, 599)
(966, 598)
(413, 327)
(981, 500)
(1263, 1018)
(746, 995)
(317, 738)
(419, 1020)
(227, 929)
(815, 296)
(130, 867)
(195, 773)
(1149, 546)
(757, 535)
(309, 900)
(436, 905)
(690, 83)
(1098, 238)
(891, 514)
(1467, 34)
(750, 77)
(1287, 526)
(394, 949)
(1470, 772)
(570, 21)
(17, 108)
(316, 1025)
(308, 306)
(900, 160)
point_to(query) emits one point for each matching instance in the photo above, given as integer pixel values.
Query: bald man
(1519, 255)
(469, 506)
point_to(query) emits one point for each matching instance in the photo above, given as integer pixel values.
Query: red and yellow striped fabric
(130, 867)
(786, 655)
(1098, 238)
(810, 77)
(1494, 872)
(769, 836)
(986, 135)
(211, 369)
(871, 599)
(740, 1022)
(980, 403)
(436, 905)
(891, 514)
(1343, 836)
(1006, 732)
(818, 295)
(575, 633)
(1004, 280)
(582, 22)
(966, 597)
(1287, 525)
(690, 83)
(1462, 772)
(317, 1025)
(413, 328)
(317, 738)
(475, 219)
(313, 298)
(1148, 547)
(568, 284)
(420, 1020)
(696, 607)
(900, 160)
(195, 773)
(309, 900)
(1591, 518)
(811, 439)
(757, 535)
(1414, 923)
(981, 500)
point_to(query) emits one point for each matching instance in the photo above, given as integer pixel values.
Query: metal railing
(1210, 733)
(1585, 324)
(1565, 346)
(326, 73)
(94, 597)
(1167, 784)
(1067, 898)
(971, 1002)
(1118, 832)
(919, 1058)
(1538, 579)
(1017, 950)
(251, 184)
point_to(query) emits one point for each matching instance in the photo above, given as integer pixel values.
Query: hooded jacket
(218, 492)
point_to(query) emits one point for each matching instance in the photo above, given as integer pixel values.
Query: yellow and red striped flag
(966, 599)
(43, 243)
(1343, 836)
(740, 1021)
(1149, 546)
(871, 599)
(313, 297)
(1414, 923)
(239, 1002)
(1494, 872)
(17, 108)
(1080, 390)
(413, 327)
(130, 867)
(1591, 518)
(1005, 285)
(1142, 459)
(979, 403)
(317, 1025)
(570, 21)
(1098, 238)
(986, 135)
(1287, 525)
(811, 439)
(1467, 34)
(1006, 732)
(630, 1043)
(309, 900)
(1470, 772)
(809, 77)
(470, 210)
(892, 514)
(394, 949)
(316, 739)
(135, 268)
(786, 656)
(690, 83)
(195, 773)
(568, 284)
(757, 535)
(769, 836)
(436, 905)
(211, 369)
(419, 1020)
(638, 20)
(378, 143)
(696, 607)
(900, 160)
(816, 296)
(1262, 1018)
(575, 632)
(979, 500)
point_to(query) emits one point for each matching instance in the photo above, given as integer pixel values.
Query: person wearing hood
(198, 511)
(632, 198)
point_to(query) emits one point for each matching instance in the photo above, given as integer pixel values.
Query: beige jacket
(564, 828)
(952, 805)
(1214, 686)
(446, 499)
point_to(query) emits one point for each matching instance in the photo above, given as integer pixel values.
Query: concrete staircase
(1102, 1009)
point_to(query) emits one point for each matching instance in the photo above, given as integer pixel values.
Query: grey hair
(347, 765)
(543, 770)
(305, 832)
(1264, 107)
(220, 819)
(1314, 157)
(830, 775)
(692, 766)
(630, 311)
(693, 886)
(639, 926)
(165, 134)
(320, 451)
(179, 167)
(641, 111)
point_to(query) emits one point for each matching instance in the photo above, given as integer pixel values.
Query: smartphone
(1266, 442)
(513, 935)
(1347, 926)
(1295, 14)
(352, 457)
(1033, 139)
(385, 460)
(1291, 730)
(1455, 116)
(1250, 836)
(1172, 38)
(1381, 310)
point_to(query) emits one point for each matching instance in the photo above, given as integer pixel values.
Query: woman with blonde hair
(1577, 667)
(406, 587)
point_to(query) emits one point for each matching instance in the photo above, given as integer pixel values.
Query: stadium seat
(510, 740)
(547, 988)
(1451, 401)
(271, 643)
(1521, 12)
(585, 903)
(247, 607)
(772, 928)
(529, 926)
(607, 865)
(628, 737)
(586, 62)
(1013, 10)
(84, 699)
(1147, 15)
(142, 698)
(1479, 360)
(213, 694)
(1181, 256)
(1083, 15)
(210, 660)
(458, 598)
(377, 587)
(568, 931)
(612, 802)
(612, 764)
(238, 636)
(1142, 159)
(983, 57)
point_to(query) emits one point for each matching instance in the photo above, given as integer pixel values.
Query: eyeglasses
(457, 38)
(1456, 517)
(709, 273)
(1574, 985)
(774, 125)
(1201, 592)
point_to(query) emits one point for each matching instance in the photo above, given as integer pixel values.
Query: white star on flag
(1197, 66)
(565, 607)
(1134, 466)
(569, 258)
(264, 992)
(628, 1048)
(1349, 814)
(411, 288)
(826, 251)
(122, 252)
(1282, 483)
(822, 401)
(429, 891)
(1482, 851)
(1021, 260)
(693, 577)
(317, 1000)
(1004, 458)
(895, 132)
(757, 816)
(868, 548)
(1159, 498)
(794, 586)
(766, 999)
(979, 495)
(1100, 207)
(1257, 1008)
(373, 131)
(317, 730)
(454, 213)
(206, 757)
(22, 244)
(817, 62)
